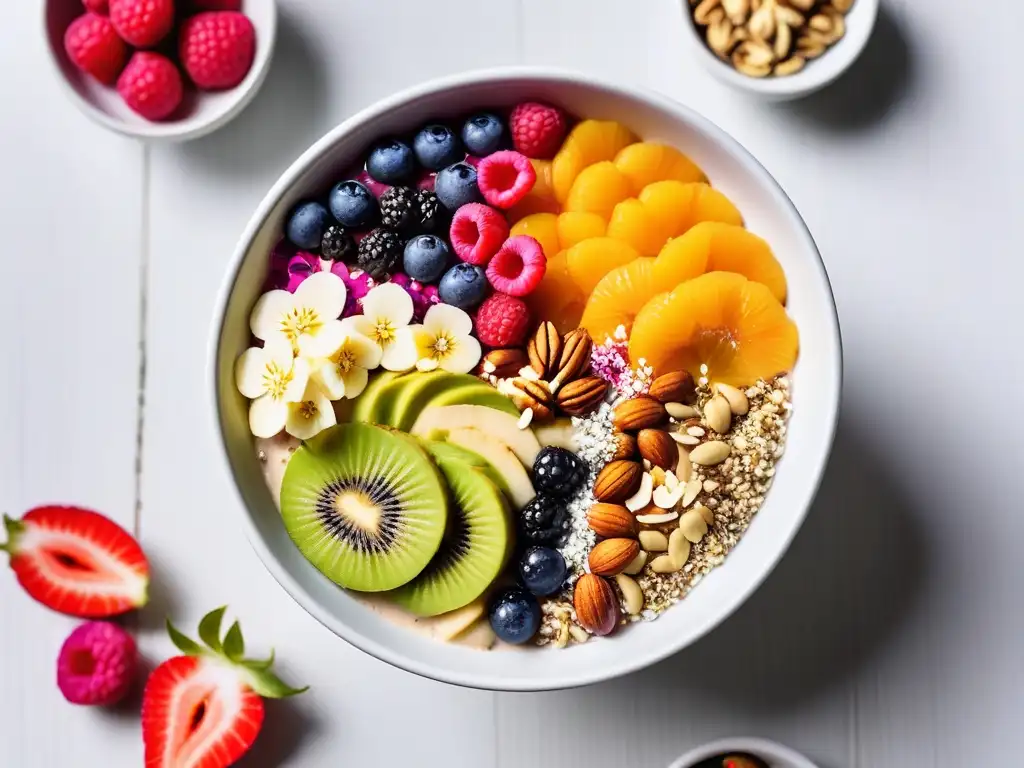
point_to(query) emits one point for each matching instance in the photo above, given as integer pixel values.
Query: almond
(658, 448)
(544, 350)
(625, 446)
(582, 396)
(677, 387)
(612, 521)
(611, 556)
(502, 363)
(534, 395)
(710, 453)
(597, 607)
(618, 481)
(575, 358)
(639, 413)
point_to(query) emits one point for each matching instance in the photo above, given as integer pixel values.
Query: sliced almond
(680, 411)
(693, 489)
(632, 595)
(703, 11)
(678, 548)
(783, 41)
(762, 22)
(710, 453)
(789, 17)
(665, 564)
(706, 513)
(693, 526)
(718, 414)
(736, 398)
(821, 23)
(665, 498)
(736, 10)
(637, 565)
(684, 439)
(525, 418)
(720, 38)
(657, 519)
(642, 497)
(653, 541)
(843, 6)
(671, 481)
(579, 634)
(684, 469)
(790, 66)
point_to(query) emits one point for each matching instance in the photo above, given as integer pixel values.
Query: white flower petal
(365, 353)
(250, 368)
(426, 364)
(329, 376)
(300, 379)
(388, 302)
(401, 354)
(361, 325)
(355, 382)
(442, 318)
(323, 292)
(311, 416)
(267, 416)
(279, 350)
(266, 316)
(463, 357)
(324, 341)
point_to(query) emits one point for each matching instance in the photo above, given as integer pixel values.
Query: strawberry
(77, 561)
(204, 709)
(537, 129)
(94, 47)
(217, 48)
(142, 23)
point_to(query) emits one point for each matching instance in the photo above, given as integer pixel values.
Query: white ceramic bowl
(776, 755)
(820, 72)
(816, 380)
(202, 112)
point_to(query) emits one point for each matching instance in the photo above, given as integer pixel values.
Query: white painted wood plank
(70, 211)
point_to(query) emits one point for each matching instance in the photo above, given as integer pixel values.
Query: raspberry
(93, 46)
(537, 129)
(518, 267)
(142, 23)
(150, 85)
(217, 48)
(216, 5)
(477, 233)
(505, 178)
(502, 321)
(97, 664)
(96, 6)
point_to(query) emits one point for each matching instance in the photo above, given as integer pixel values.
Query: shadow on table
(856, 569)
(289, 725)
(871, 89)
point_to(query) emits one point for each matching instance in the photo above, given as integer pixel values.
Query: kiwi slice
(475, 546)
(367, 506)
(372, 401)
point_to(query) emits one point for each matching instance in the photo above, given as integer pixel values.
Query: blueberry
(426, 257)
(391, 162)
(463, 286)
(483, 134)
(353, 205)
(306, 225)
(515, 616)
(436, 146)
(456, 185)
(542, 570)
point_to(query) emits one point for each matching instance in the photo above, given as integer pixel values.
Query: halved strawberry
(77, 561)
(205, 709)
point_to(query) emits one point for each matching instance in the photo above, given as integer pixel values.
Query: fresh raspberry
(505, 178)
(502, 321)
(215, 5)
(537, 129)
(94, 47)
(477, 233)
(150, 85)
(142, 23)
(97, 664)
(518, 267)
(96, 6)
(217, 48)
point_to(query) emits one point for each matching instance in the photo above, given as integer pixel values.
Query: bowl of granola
(526, 380)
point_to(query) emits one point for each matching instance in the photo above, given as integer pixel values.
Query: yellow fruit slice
(592, 141)
(592, 259)
(618, 297)
(576, 226)
(557, 298)
(674, 206)
(647, 162)
(598, 189)
(543, 227)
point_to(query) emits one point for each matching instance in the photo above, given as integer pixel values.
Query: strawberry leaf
(270, 686)
(258, 665)
(14, 528)
(234, 644)
(183, 643)
(209, 628)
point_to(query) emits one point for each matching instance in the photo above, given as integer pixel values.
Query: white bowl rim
(304, 163)
(182, 130)
(763, 748)
(818, 74)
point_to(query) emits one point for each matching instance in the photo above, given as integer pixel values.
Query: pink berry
(505, 178)
(502, 321)
(150, 85)
(426, 180)
(376, 188)
(518, 267)
(97, 664)
(216, 5)
(142, 23)
(96, 6)
(477, 233)
(537, 129)
(93, 46)
(217, 48)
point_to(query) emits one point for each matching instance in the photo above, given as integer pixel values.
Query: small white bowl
(776, 755)
(816, 379)
(203, 111)
(820, 72)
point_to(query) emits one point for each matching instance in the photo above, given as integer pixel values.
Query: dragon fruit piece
(426, 181)
(277, 274)
(358, 283)
(300, 266)
(423, 296)
(376, 188)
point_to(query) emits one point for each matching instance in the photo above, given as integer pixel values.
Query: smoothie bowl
(526, 380)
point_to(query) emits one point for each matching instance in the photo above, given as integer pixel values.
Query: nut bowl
(732, 169)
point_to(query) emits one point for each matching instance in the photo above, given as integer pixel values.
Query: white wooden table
(891, 633)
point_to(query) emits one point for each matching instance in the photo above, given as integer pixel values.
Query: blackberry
(379, 253)
(398, 209)
(545, 520)
(431, 216)
(558, 471)
(337, 244)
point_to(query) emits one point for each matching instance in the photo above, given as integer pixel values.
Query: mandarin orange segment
(676, 206)
(543, 227)
(598, 189)
(716, 247)
(592, 141)
(631, 223)
(540, 199)
(557, 298)
(733, 325)
(576, 226)
(592, 259)
(647, 162)
(617, 298)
